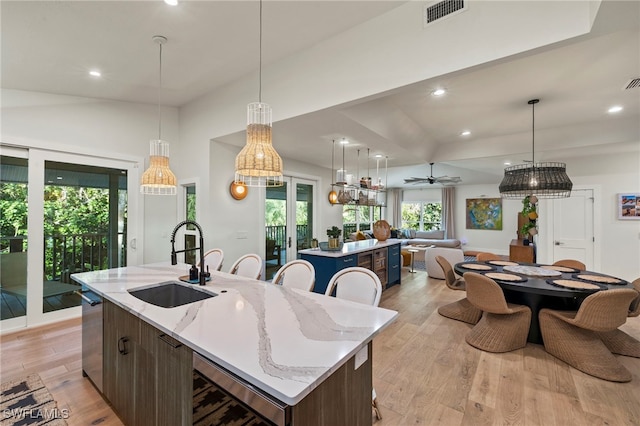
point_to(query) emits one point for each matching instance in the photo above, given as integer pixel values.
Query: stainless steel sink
(171, 294)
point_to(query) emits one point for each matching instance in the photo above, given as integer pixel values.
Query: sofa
(427, 238)
(453, 255)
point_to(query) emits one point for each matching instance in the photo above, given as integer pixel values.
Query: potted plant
(528, 229)
(334, 236)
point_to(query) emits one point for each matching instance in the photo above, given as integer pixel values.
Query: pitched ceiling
(50, 46)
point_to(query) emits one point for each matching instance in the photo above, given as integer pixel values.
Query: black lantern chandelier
(545, 180)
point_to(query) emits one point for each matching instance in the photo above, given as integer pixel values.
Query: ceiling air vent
(633, 84)
(435, 11)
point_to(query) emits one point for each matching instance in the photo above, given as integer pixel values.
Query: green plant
(528, 211)
(334, 232)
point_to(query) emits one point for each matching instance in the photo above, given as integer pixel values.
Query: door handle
(558, 243)
(289, 242)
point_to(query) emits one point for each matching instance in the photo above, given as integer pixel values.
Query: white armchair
(451, 254)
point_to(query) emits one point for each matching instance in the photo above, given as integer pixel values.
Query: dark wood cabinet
(147, 374)
(393, 264)
(518, 252)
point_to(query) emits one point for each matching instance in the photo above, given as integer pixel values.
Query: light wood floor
(424, 372)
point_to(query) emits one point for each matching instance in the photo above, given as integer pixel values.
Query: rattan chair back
(449, 276)
(571, 263)
(604, 310)
(634, 308)
(485, 294)
(485, 256)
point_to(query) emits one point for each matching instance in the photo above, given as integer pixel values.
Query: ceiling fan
(443, 180)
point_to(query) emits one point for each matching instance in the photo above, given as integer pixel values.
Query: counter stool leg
(413, 270)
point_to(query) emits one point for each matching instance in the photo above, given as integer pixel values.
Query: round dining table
(542, 286)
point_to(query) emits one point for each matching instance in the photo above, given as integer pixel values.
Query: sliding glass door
(78, 220)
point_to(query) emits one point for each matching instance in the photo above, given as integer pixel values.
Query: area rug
(213, 407)
(27, 401)
(421, 265)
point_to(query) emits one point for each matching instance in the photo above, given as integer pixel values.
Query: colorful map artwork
(484, 213)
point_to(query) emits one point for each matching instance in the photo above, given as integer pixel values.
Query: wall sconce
(238, 190)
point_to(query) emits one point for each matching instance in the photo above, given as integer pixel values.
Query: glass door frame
(35, 225)
(291, 181)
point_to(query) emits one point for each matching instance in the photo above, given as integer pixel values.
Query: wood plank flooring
(424, 372)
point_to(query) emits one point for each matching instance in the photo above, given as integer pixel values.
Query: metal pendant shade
(158, 179)
(258, 164)
(545, 180)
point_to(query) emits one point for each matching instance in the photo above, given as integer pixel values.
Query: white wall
(226, 217)
(100, 128)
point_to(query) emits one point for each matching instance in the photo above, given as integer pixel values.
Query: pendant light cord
(260, 56)
(533, 133)
(159, 91)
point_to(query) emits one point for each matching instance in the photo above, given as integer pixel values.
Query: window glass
(422, 216)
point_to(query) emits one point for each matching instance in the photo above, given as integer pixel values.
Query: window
(361, 218)
(422, 216)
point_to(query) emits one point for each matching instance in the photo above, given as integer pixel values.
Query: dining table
(541, 286)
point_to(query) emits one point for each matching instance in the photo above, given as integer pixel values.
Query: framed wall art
(484, 213)
(629, 206)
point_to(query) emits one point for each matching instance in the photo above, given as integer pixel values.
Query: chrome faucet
(174, 254)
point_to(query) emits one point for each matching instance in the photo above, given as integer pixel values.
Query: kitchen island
(381, 257)
(306, 352)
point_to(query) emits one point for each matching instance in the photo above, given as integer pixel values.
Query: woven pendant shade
(545, 180)
(158, 179)
(258, 164)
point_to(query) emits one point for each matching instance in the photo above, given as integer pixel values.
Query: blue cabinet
(394, 265)
(380, 259)
(327, 266)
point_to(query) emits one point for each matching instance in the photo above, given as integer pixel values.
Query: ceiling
(50, 46)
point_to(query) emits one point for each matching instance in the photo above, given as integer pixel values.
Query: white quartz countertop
(283, 341)
(352, 247)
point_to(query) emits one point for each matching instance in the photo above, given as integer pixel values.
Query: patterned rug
(213, 407)
(28, 402)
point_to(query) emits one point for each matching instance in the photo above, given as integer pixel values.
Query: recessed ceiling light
(344, 141)
(465, 133)
(614, 109)
(95, 73)
(171, 2)
(438, 92)
(507, 163)
(378, 155)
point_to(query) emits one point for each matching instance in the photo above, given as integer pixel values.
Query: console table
(382, 257)
(518, 252)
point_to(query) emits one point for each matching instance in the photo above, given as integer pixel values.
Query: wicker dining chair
(571, 263)
(486, 256)
(619, 342)
(461, 310)
(573, 336)
(504, 326)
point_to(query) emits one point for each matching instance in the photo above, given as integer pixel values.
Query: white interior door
(573, 227)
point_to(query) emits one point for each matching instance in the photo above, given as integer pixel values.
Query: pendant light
(333, 195)
(545, 180)
(158, 179)
(258, 164)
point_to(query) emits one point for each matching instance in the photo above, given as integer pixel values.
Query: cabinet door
(393, 264)
(120, 348)
(380, 265)
(174, 373)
